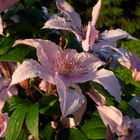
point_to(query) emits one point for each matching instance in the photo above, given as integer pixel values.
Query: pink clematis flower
(4, 95)
(90, 38)
(4, 4)
(123, 126)
(131, 61)
(72, 22)
(65, 68)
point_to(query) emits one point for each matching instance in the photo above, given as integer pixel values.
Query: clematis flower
(72, 22)
(4, 4)
(4, 95)
(123, 126)
(90, 37)
(106, 43)
(65, 68)
(131, 61)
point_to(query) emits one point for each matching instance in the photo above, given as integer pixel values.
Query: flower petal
(135, 103)
(70, 13)
(70, 97)
(111, 116)
(57, 23)
(96, 11)
(89, 63)
(4, 4)
(1, 26)
(108, 80)
(28, 69)
(47, 52)
(3, 124)
(69, 122)
(115, 35)
(91, 35)
(96, 97)
(30, 42)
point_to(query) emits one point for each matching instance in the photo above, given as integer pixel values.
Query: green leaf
(13, 102)
(127, 110)
(18, 53)
(32, 120)
(22, 135)
(50, 132)
(94, 128)
(49, 105)
(71, 134)
(6, 44)
(15, 122)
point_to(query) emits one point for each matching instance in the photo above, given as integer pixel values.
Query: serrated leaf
(18, 54)
(15, 122)
(71, 134)
(32, 120)
(6, 44)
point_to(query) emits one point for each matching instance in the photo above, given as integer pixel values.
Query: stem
(39, 90)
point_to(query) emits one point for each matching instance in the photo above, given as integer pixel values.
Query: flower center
(66, 65)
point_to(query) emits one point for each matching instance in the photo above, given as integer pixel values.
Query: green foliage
(18, 53)
(94, 128)
(6, 44)
(49, 105)
(71, 134)
(15, 122)
(50, 132)
(32, 120)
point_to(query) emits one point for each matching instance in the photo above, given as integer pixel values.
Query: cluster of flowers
(64, 69)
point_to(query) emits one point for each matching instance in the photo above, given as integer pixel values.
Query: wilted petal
(96, 97)
(4, 4)
(70, 13)
(70, 97)
(96, 11)
(108, 80)
(111, 116)
(29, 69)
